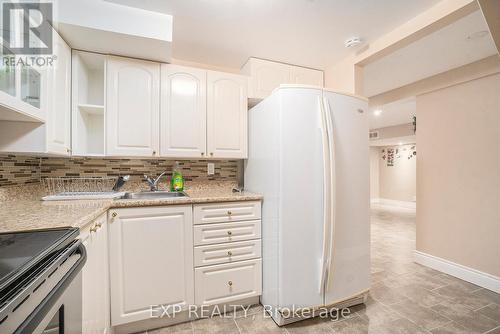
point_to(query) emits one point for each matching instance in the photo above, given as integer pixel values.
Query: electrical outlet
(211, 168)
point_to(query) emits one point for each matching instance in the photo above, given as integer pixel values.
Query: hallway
(410, 298)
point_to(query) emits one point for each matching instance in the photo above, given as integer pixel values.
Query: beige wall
(458, 172)
(398, 182)
(374, 172)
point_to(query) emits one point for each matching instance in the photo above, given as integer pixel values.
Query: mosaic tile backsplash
(16, 170)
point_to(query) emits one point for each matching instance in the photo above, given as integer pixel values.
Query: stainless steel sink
(154, 195)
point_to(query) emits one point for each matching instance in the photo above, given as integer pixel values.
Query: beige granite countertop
(21, 208)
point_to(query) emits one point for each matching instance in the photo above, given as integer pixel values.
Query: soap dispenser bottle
(177, 181)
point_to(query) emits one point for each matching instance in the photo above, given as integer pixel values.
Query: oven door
(60, 310)
(65, 316)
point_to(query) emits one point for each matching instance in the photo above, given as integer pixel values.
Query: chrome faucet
(153, 183)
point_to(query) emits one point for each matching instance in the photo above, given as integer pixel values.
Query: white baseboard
(392, 202)
(474, 276)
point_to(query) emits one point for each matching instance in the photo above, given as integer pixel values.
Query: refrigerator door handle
(326, 197)
(333, 193)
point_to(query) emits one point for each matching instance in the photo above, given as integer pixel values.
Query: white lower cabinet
(95, 278)
(227, 253)
(228, 282)
(158, 260)
(151, 260)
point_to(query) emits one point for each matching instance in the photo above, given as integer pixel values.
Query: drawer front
(227, 282)
(226, 212)
(226, 232)
(226, 253)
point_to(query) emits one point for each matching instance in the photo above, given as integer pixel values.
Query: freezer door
(349, 262)
(301, 190)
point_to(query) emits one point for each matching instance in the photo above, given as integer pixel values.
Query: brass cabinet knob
(68, 150)
(114, 214)
(211, 153)
(98, 225)
(229, 253)
(229, 213)
(202, 153)
(154, 152)
(93, 229)
(229, 233)
(230, 283)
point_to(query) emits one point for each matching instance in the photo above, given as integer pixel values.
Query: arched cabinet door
(132, 107)
(227, 113)
(183, 115)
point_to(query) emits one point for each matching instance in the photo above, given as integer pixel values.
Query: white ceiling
(394, 113)
(438, 52)
(303, 32)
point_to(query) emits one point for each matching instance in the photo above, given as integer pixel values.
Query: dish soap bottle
(177, 181)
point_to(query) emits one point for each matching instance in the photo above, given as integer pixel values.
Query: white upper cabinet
(183, 114)
(132, 107)
(59, 111)
(88, 109)
(23, 91)
(227, 110)
(306, 76)
(266, 75)
(151, 261)
(35, 105)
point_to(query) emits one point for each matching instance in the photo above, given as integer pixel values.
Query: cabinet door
(58, 115)
(266, 76)
(151, 260)
(95, 280)
(226, 115)
(306, 76)
(183, 115)
(133, 107)
(88, 285)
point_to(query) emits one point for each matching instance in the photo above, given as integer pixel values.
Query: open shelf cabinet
(88, 107)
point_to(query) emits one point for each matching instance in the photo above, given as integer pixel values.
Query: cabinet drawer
(227, 282)
(226, 253)
(226, 212)
(226, 232)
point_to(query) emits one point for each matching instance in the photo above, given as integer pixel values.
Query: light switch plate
(211, 168)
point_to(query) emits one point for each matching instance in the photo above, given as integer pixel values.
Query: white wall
(397, 182)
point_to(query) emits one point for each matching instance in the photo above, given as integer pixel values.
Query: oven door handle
(41, 311)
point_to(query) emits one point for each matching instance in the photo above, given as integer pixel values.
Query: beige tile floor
(404, 297)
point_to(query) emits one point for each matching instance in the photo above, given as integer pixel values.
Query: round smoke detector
(478, 34)
(352, 42)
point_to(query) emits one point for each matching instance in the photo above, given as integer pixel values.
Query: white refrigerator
(309, 157)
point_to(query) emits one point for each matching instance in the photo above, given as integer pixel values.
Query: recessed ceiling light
(352, 42)
(478, 34)
(400, 144)
(377, 112)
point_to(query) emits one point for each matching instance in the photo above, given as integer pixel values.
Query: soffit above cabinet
(104, 27)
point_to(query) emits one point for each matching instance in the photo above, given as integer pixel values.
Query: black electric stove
(35, 269)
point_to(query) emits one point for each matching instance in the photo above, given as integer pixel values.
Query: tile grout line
(236, 323)
(425, 329)
(491, 330)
